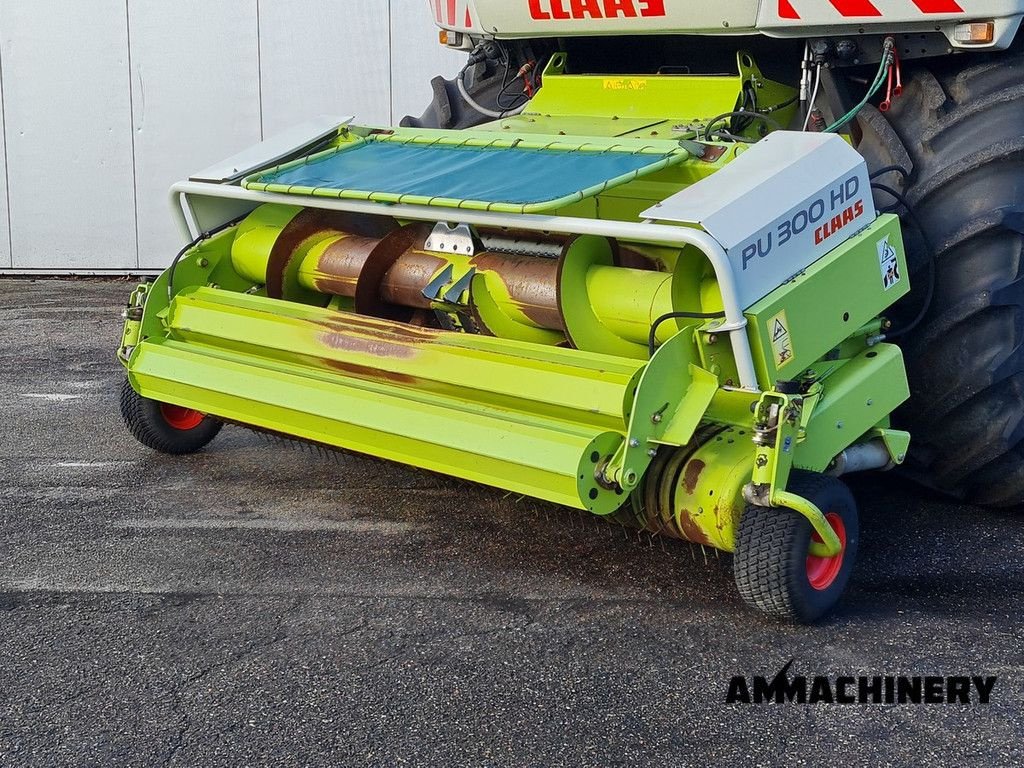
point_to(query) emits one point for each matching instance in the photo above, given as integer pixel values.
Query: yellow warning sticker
(782, 343)
(625, 84)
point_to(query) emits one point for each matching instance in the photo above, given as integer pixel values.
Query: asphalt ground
(260, 605)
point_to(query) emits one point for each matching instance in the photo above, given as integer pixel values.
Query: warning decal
(888, 263)
(782, 344)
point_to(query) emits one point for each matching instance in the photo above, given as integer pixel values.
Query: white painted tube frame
(639, 232)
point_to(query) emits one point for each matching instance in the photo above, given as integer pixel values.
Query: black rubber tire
(145, 420)
(960, 121)
(770, 564)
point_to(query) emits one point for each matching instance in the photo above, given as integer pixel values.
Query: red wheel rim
(181, 418)
(823, 571)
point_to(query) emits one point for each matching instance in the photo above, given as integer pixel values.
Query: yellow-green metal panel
(802, 320)
(857, 395)
(567, 384)
(483, 445)
(633, 97)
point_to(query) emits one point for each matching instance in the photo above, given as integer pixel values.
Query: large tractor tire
(961, 122)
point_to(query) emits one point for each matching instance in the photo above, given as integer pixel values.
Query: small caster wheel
(164, 427)
(773, 567)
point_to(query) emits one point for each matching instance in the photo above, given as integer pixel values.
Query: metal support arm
(657, 234)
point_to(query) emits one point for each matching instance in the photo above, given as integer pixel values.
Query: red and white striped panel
(452, 14)
(798, 10)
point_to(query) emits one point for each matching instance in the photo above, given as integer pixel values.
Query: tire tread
(771, 551)
(961, 127)
(145, 423)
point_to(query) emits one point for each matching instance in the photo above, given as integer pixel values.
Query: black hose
(891, 169)
(777, 107)
(652, 340)
(930, 253)
(728, 136)
(507, 81)
(769, 121)
(181, 254)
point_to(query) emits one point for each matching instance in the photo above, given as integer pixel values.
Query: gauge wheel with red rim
(774, 569)
(164, 427)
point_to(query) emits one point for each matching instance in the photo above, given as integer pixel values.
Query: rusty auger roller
(573, 291)
(631, 337)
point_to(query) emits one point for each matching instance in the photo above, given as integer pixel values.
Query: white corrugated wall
(105, 103)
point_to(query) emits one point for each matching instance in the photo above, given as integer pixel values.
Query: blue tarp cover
(501, 175)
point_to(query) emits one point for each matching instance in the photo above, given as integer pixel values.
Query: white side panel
(5, 224)
(195, 99)
(779, 207)
(69, 143)
(417, 57)
(273, 150)
(324, 58)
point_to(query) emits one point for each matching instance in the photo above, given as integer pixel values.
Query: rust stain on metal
(403, 284)
(368, 297)
(543, 317)
(631, 258)
(313, 222)
(388, 330)
(372, 374)
(690, 529)
(481, 324)
(725, 517)
(338, 268)
(712, 153)
(377, 347)
(672, 476)
(531, 282)
(691, 475)
(526, 235)
(527, 268)
(423, 319)
(397, 343)
(305, 224)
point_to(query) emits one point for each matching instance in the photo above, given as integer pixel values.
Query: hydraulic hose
(876, 86)
(461, 80)
(931, 254)
(195, 243)
(652, 341)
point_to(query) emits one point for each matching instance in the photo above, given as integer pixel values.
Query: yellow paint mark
(625, 84)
